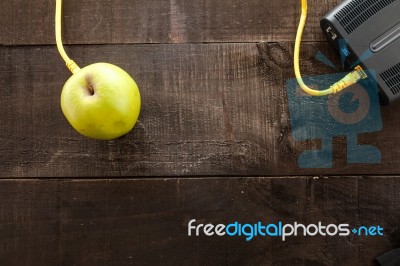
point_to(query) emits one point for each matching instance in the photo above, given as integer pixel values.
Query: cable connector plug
(72, 66)
(350, 79)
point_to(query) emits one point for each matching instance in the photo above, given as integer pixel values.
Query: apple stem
(91, 89)
(71, 65)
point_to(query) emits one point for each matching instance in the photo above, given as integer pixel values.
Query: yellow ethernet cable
(350, 79)
(71, 65)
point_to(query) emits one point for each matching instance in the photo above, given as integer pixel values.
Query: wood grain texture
(208, 109)
(25, 22)
(144, 222)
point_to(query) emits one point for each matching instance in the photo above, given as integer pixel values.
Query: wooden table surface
(213, 141)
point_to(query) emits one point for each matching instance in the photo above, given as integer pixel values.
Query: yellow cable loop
(71, 65)
(350, 79)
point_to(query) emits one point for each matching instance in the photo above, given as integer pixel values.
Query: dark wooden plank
(208, 109)
(172, 21)
(30, 223)
(83, 220)
(144, 221)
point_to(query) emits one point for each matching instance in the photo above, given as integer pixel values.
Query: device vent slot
(392, 78)
(354, 14)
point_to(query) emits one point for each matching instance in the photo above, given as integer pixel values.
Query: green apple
(101, 101)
